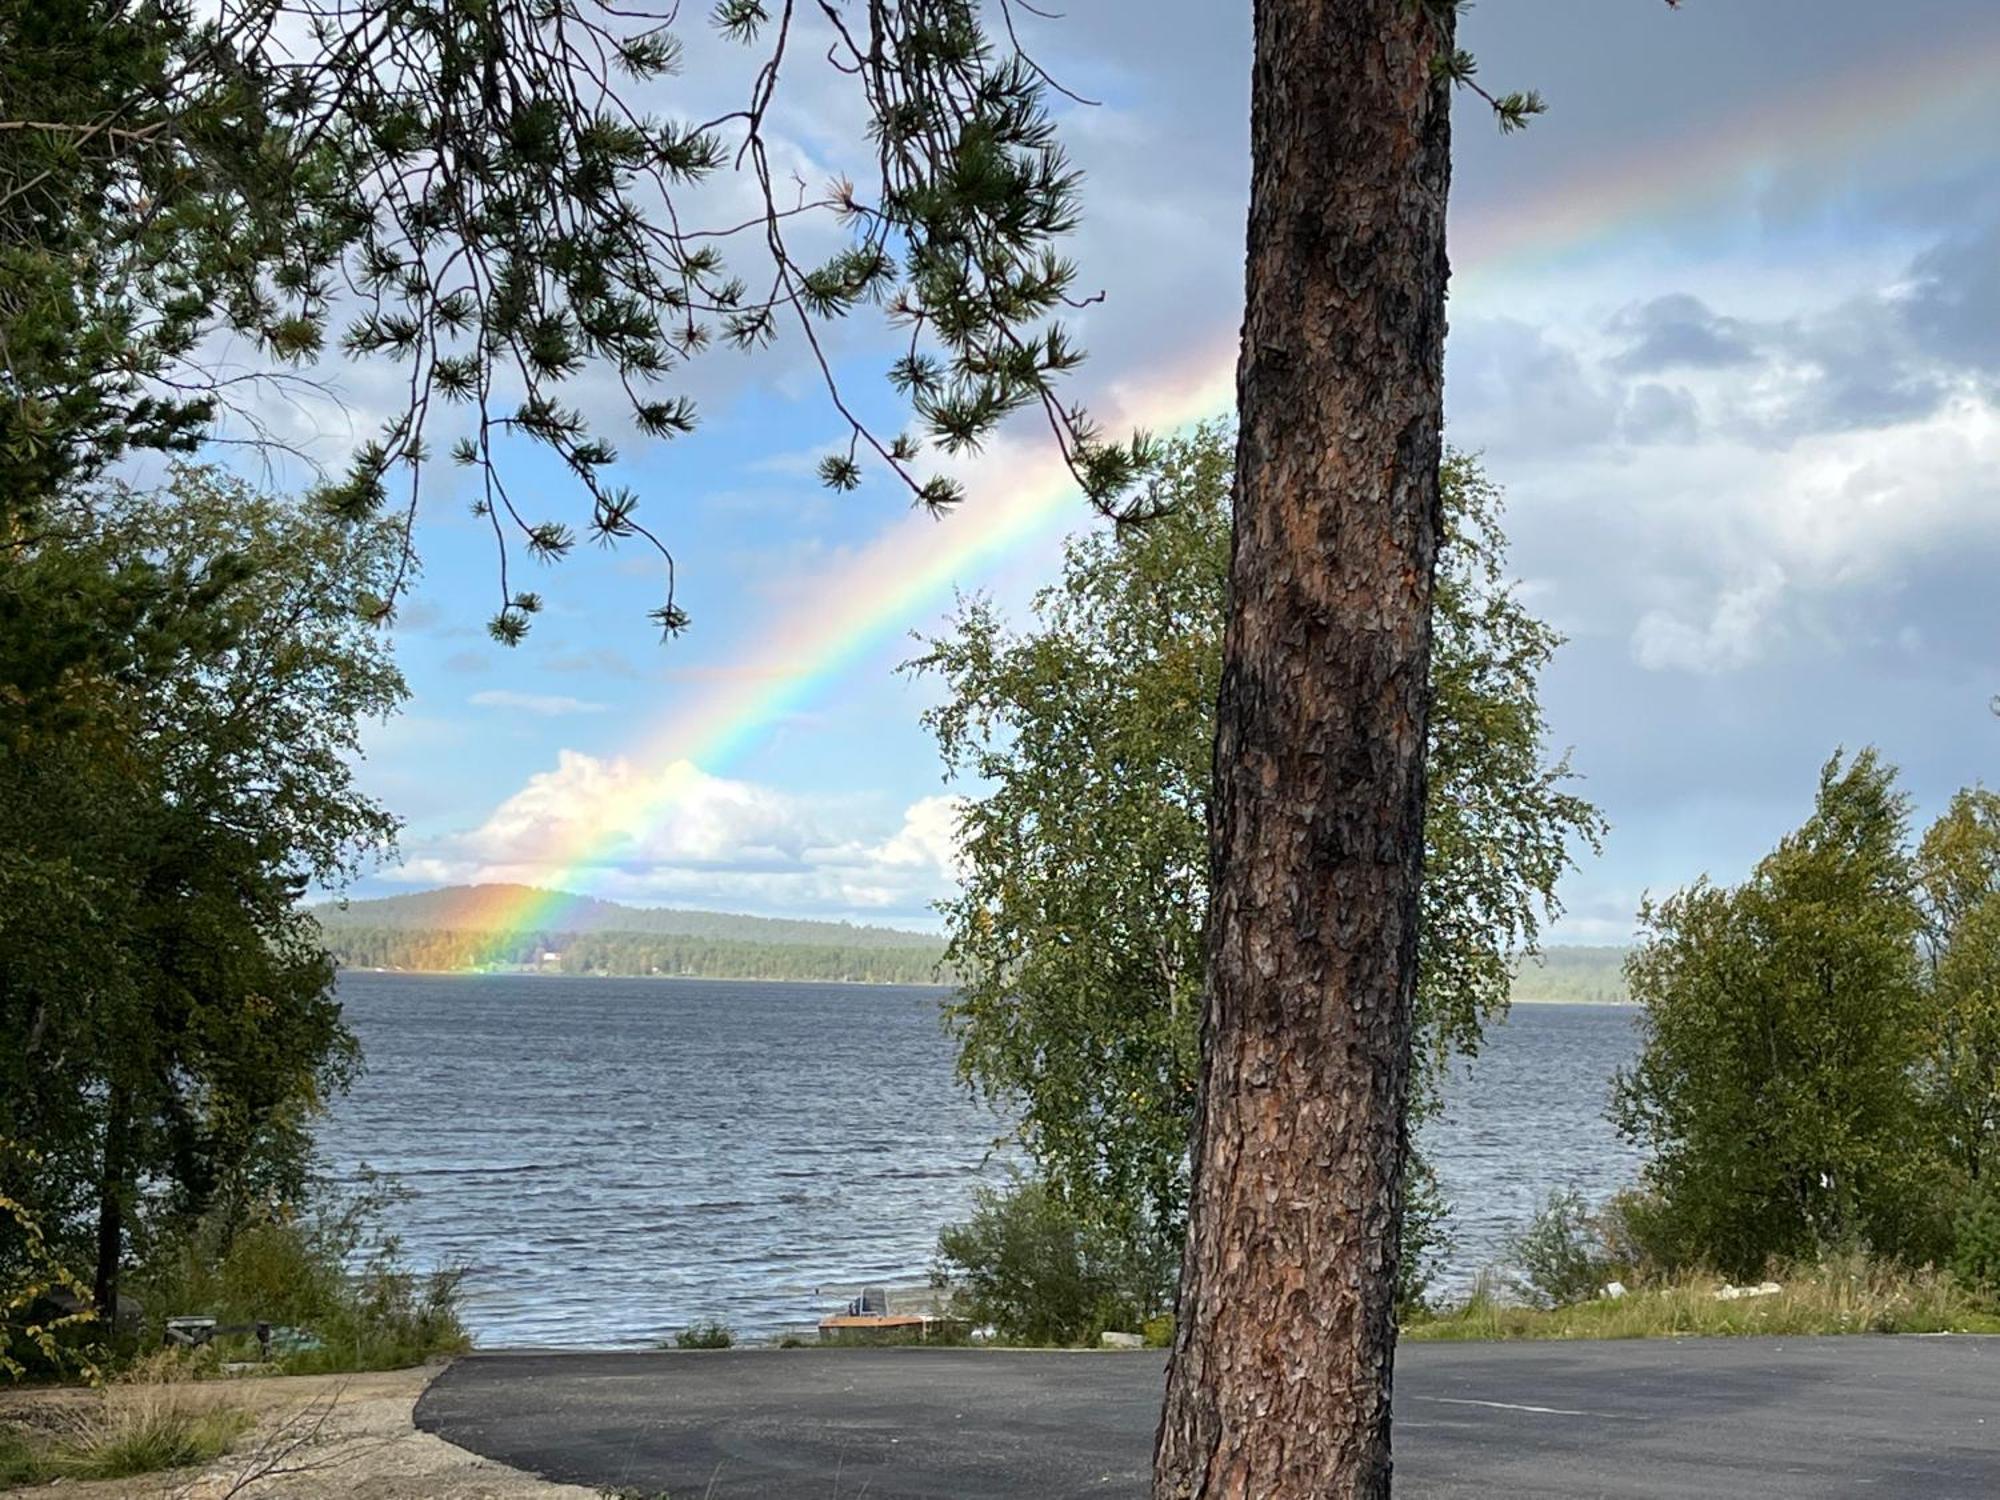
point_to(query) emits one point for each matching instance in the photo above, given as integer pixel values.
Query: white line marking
(1540, 1411)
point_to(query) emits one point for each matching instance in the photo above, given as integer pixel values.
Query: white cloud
(672, 832)
(928, 837)
(1734, 635)
(546, 705)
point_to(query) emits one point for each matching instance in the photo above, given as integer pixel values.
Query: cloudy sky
(1725, 323)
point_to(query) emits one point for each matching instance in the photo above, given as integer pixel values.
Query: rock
(1614, 1290)
(1112, 1340)
(1738, 1293)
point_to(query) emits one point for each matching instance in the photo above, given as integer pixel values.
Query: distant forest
(494, 908)
(459, 929)
(1578, 975)
(464, 928)
(628, 953)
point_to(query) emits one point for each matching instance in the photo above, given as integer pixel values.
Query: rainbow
(1022, 495)
(879, 591)
(1873, 107)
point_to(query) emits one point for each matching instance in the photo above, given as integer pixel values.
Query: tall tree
(1076, 932)
(165, 797)
(473, 174)
(1279, 1385)
(1958, 872)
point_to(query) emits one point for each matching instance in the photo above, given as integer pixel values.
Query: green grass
(169, 1441)
(19, 1460)
(1842, 1296)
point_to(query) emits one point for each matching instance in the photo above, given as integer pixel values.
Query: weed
(1842, 1294)
(707, 1334)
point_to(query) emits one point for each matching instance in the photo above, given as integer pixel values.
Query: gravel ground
(342, 1437)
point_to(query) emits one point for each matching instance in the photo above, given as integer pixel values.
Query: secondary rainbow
(1018, 498)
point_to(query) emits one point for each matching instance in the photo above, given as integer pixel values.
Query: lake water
(616, 1158)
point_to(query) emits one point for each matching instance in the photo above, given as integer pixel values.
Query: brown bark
(1280, 1382)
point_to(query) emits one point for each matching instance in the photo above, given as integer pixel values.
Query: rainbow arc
(1018, 499)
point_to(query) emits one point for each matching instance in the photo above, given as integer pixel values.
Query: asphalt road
(1715, 1419)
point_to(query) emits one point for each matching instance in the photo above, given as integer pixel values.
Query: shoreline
(859, 984)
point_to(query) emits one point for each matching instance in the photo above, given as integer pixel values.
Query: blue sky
(1726, 326)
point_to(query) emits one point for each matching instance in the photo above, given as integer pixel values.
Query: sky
(1725, 324)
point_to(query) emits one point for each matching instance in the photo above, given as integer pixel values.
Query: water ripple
(615, 1159)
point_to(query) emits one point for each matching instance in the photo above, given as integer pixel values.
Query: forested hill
(467, 927)
(1575, 974)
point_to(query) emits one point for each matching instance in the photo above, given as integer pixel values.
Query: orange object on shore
(876, 1320)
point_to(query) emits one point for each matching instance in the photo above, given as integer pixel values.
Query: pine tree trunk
(1280, 1382)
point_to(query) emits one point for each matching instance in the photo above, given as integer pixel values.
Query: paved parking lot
(1701, 1419)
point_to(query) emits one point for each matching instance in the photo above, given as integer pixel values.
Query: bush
(1976, 1238)
(707, 1334)
(1039, 1274)
(1636, 1232)
(329, 1278)
(1562, 1255)
(42, 1331)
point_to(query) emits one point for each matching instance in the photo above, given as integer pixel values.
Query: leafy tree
(164, 800)
(1784, 1024)
(1077, 933)
(1958, 870)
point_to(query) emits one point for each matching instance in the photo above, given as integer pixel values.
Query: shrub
(707, 1334)
(1636, 1232)
(42, 1332)
(1976, 1239)
(1037, 1273)
(1562, 1254)
(330, 1275)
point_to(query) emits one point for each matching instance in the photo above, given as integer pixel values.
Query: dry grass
(315, 1437)
(154, 1419)
(1847, 1295)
